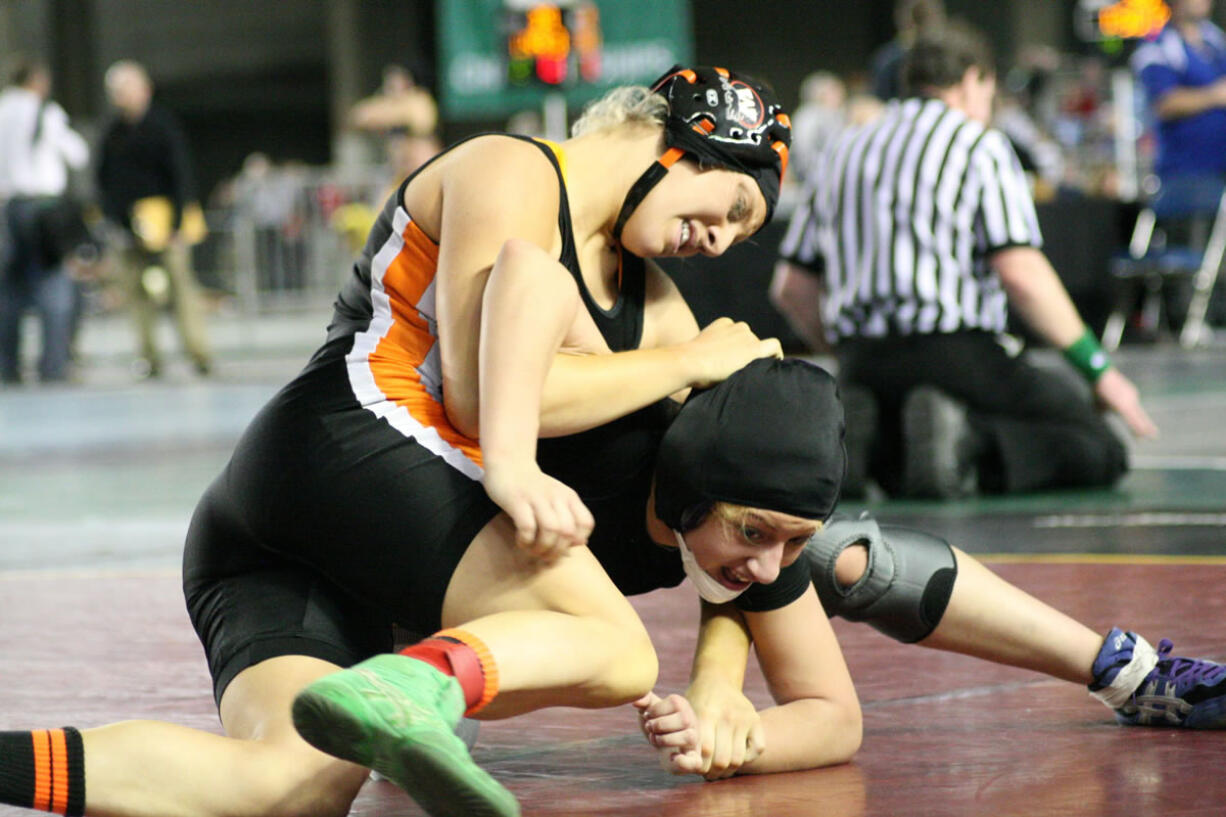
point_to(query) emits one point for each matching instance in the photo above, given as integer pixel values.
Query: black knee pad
(905, 588)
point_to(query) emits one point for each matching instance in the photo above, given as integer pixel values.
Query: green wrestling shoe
(397, 715)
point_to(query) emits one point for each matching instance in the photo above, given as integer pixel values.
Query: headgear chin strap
(722, 119)
(708, 588)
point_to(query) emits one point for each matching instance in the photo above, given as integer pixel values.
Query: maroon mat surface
(944, 734)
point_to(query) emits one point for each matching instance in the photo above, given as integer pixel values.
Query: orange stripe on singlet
(403, 349)
(42, 770)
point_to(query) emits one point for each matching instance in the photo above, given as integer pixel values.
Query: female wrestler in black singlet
(360, 497)
(751, 473)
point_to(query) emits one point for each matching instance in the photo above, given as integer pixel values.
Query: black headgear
(770, 437)
(723, 119)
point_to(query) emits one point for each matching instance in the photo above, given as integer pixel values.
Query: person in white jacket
(38, 147)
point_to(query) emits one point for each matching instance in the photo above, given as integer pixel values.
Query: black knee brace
(905, 588)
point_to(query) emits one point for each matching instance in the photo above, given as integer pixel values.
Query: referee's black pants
(1039, 425)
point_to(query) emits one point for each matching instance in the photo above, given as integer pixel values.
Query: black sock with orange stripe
(43, 770)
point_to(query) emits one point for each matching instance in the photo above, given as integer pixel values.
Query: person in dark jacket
(146, 186)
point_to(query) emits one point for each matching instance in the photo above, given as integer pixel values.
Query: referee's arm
(798, 293)
(798, 285)
(1036, 292)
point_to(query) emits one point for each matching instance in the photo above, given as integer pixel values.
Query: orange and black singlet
(353, 473)
(349, 499)
(387, 307)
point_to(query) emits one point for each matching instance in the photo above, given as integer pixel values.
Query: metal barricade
(286, 238)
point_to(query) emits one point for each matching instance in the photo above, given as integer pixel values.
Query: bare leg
(561, 634)
(555, 634)
(153, 769)
(991, 619)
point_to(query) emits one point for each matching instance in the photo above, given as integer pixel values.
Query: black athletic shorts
(326, 527)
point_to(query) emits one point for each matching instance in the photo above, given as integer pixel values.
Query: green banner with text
(498, 57)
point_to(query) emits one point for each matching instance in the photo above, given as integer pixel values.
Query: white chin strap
(707, 587)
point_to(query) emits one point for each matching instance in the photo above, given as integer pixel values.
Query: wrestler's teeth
(685, 233)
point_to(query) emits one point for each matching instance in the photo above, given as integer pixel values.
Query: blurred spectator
(37, 148)
(405, 116)
(267, 197)
(819, 117)
(405, 154)
(147, 190)
(912, 18)
(400, 105)
(529, 122)
(1078, 124)
(863, 108)
(926, 232)
(1025, 107)
(1038, 151)
(1031, 80)
(1183, 72)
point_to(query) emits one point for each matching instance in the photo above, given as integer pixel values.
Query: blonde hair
(733, 516)
(629, 104)
(736, 517)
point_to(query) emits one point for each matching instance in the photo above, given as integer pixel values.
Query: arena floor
(97, 481)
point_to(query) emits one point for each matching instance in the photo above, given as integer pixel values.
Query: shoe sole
(444, 783)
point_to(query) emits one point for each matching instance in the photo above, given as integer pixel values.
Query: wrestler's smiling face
(695, 212)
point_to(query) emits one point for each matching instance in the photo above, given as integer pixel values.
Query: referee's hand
(1116, 392)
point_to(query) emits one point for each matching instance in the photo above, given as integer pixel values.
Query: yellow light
(1133, 18)
(544, 35)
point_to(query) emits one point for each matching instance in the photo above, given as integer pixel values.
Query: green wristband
(1088, 357)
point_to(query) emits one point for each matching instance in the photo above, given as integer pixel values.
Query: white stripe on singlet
(362, 378)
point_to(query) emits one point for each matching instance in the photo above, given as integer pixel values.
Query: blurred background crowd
(179, 161)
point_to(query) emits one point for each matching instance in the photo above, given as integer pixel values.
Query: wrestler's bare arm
(817, 719)
(584, 390)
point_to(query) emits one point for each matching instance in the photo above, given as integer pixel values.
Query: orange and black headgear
(720, 119)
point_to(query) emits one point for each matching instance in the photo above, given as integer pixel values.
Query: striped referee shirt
(904, 216)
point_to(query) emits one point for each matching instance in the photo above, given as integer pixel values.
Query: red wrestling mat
(944, 735)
